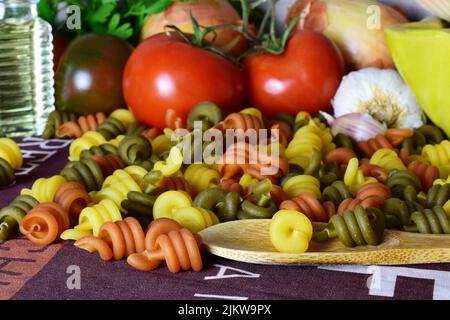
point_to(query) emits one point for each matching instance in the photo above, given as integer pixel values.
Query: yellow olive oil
(26, 69)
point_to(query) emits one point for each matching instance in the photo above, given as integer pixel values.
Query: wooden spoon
(248, 241)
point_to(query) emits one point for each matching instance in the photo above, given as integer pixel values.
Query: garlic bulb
(381, 93)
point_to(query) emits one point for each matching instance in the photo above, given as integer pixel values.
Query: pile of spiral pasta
(128, 192)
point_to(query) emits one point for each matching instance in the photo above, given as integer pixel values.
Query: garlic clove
(382, 94)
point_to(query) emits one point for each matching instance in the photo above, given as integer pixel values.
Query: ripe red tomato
(305, 77)
(165, 72)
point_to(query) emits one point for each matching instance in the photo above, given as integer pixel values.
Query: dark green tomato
(89, 76)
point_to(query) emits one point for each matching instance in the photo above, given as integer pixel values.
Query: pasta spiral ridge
(372, 170)
(396, 213)
(81, 125)
(111, 128)
(336, 193)
(44, 223)
(101, 150)
(91, 219)
(387, 159)
(429, 221)
(311, 207)
(140, 206)
(134, 150)
(117, 186)
(178, 247)
(12, 215)
(355, 228)
(207, 112)
(354, 177)
(438, 195)
(404, 184)
(72, 197)
(300, 184)
(43, 190)
(427, 173)
(245, 158)
(201, 177)
(86, 141)
(422, 136)
(342, 156)
(437, 155)
(224, 204)
(369, 147)
(87, 172)
(243, 122)
(116, 240)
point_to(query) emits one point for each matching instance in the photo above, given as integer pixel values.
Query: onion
(356, 26)
(358, 126)
(208, 13)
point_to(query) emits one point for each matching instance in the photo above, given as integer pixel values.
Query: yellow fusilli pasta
(123, 115)
(354, 177)
(172, 164)
(387, 159)
(91, 219)
(301, 184)
(88, 140)
(43, 190)
(201, 176)
(10, 152)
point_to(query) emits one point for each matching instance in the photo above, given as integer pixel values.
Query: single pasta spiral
(281, 131)
(207, 112)
(43, 190)
(224, 204)
(44, 223)
(355, 228)
(178, 247)
(232, 185)
(336, 193)
(81, 125)
(304, 141)
(429, 221)
(86, 141)
(427, 173)
(11, 216)
(172, 164)
(72, 197)
(387, 159)
(242, 121)
(404, 184)
(311, 207)
(140, 206)
(10, 152)
(117, 186)
(438, 195)
(87, 172)
(396, 213)
(134, 150)
(115, 240)
(301, 184)
(437, 155)
(91, 219)
(245, 158)
(201, 177)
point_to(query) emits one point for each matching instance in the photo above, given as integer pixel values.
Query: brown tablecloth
(62, 271)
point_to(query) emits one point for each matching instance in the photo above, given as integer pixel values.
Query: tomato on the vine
(303, 78)
(166, 72)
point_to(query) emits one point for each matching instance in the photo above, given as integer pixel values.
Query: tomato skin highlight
(165, 72)
(304, 78)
